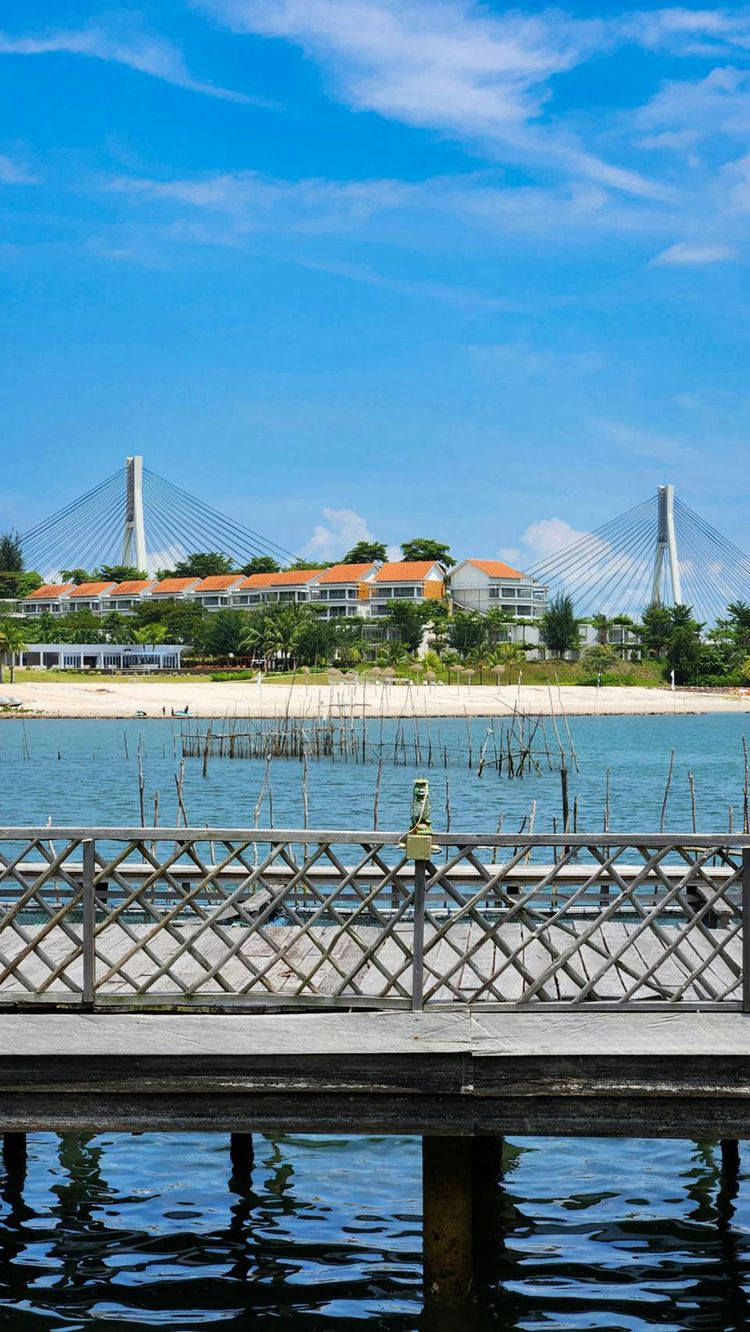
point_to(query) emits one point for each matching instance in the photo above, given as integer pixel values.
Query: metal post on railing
(418, 847)
(89, 921)
(746, 930)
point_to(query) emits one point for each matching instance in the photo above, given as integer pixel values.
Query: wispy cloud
(147, 53)
(14, 173)
(692, 254)
(451, 66)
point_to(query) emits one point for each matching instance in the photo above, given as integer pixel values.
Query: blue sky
(396, 267)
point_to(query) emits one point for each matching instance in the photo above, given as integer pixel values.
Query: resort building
(294, 585)
(414, 580)
(102, 656)
(215, 592)
(170, 589)
(126, 596)
(89, 597)
(50, 599)
(483, 585)
(344, 590)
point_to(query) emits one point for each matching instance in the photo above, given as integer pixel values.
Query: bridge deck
(463, 1072)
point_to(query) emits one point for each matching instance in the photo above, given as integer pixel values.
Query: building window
(508, 592)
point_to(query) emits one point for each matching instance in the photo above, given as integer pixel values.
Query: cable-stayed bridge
(660, 550)
(137, 517)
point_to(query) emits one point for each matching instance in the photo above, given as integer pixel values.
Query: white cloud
(546, 538)
(690, 254)
(448, 65)
(148, 54)
(342, 529)
(12, 173)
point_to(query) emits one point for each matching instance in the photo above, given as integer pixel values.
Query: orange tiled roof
(90, 589)
(404, 571)
(172, 585)
(346, 573)
(287, 578)
(217, 582)
(132, 588)
(496, 569)
(48, 591)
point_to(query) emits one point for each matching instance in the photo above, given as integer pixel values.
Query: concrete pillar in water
(241, 1152)
(447, 1219)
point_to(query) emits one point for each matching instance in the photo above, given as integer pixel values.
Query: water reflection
(160, 1231)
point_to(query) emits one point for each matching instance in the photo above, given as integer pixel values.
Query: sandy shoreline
(211, 699)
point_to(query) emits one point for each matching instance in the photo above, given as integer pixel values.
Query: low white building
(126, 597)
(102, 656)
(344, 590)
(291, 586)
(483, 585)
(215, 592)
(49, 599)
(406, 580)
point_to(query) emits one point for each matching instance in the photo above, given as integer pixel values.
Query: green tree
(407, 621)
(76, 576)
(424, 548)
(225, 634)
(149, 634)
(599, 658)
(366, 552)
(117, 628)
(302, 565)
(656, 628)
(11, 552)
(683, 655)
(120, 573)
(261, 564)
(601, 623)
(558, 627)
(16, 586)
(466, 632)
(12, 640)
(200, 564)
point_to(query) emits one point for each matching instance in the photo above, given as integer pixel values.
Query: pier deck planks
(463, 1071)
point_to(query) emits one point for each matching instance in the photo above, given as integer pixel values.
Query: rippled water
(153, 1232)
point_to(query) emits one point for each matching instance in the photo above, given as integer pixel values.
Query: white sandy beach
(205, 698)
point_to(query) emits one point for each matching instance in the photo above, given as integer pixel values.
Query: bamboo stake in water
(745, 791)
(691, 780)
(667, 788)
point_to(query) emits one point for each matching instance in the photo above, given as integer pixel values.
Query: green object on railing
(418, 843)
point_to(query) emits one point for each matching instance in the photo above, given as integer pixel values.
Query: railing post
(418, 847)
(746, 931)
(89, 922)
(417, 963)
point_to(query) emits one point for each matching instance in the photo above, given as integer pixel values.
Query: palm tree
(12, 640)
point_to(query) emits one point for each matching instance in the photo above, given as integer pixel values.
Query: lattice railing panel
(190, 918)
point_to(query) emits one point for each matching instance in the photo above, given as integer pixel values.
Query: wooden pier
(460, 988)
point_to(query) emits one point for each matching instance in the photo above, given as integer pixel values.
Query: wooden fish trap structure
(511, 747)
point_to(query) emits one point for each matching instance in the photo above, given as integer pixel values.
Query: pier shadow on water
(157, 1231)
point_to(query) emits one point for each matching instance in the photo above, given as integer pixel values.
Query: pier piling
(447, 1219)
(241, 1153)
(14, 1155)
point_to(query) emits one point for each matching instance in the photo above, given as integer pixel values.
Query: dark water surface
(126, 1232)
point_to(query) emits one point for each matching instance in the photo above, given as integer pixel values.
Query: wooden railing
(190, 918)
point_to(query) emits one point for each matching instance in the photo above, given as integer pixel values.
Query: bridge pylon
(134, 531)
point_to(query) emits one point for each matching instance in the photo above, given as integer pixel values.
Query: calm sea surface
(151, 1231)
